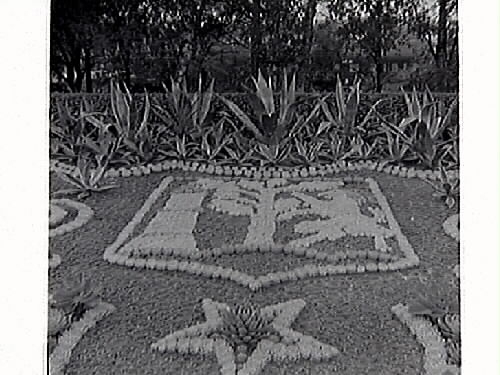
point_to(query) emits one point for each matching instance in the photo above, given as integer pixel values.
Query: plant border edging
(262, 172)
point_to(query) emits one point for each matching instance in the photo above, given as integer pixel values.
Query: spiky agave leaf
(264, 92)
(244, 325)
(120, 107)
(243, 117)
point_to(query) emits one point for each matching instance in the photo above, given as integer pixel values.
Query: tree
(73, 24)
(188, 29)
(371, 28)
(436, 24)
(281, 34)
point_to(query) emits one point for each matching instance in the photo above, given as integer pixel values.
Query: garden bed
(350, 312)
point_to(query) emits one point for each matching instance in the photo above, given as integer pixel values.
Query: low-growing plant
(309, 143)
(272, 154)
(76, 297)
(180, 147)
(244, 327)
(361, 149)
(215, 140)
(240, 151)
(452, 158)
(307, 153)
(68, 131)
(68, 305)
(334, 149)
(87, 177)
(447, 188)
(272, 124)
(397, 151)
(58, 322)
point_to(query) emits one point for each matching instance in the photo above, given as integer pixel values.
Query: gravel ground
(350, 312)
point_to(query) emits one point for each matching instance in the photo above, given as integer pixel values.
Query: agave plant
(342, 123)
(397, 151)
(308, 144)
(180, 147)
(215, 140)
(307, 153)
(272, 124)
(58, 321)
(127, 120)
(361, 149)
(75, 298)
(239, 150)
(244, 326)
(68, 131)
(447, 188)
(138, 138)
(86, 179)
(423, 127)
(183, 112)
(451, 159)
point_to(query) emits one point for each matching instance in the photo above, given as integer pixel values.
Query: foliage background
(147, 42)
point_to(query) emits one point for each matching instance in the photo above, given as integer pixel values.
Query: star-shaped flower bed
(261, 336)
(73, 310)
(258, 233)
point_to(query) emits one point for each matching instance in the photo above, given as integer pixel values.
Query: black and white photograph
(253, 187)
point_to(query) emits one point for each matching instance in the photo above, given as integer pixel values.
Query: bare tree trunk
(79, 79)
(379, 52)
(256, 35)
(70, 75)
(442, 42)
(88, 70)
(308, 41)
(379, 71)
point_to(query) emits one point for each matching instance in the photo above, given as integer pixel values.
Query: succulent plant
(447, 321)
(447, 188)
(58, 321)
(449, 325)
(75, 298)
(244, 327)
(453, 349)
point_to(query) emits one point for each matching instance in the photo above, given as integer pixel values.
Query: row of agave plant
(274, 130)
